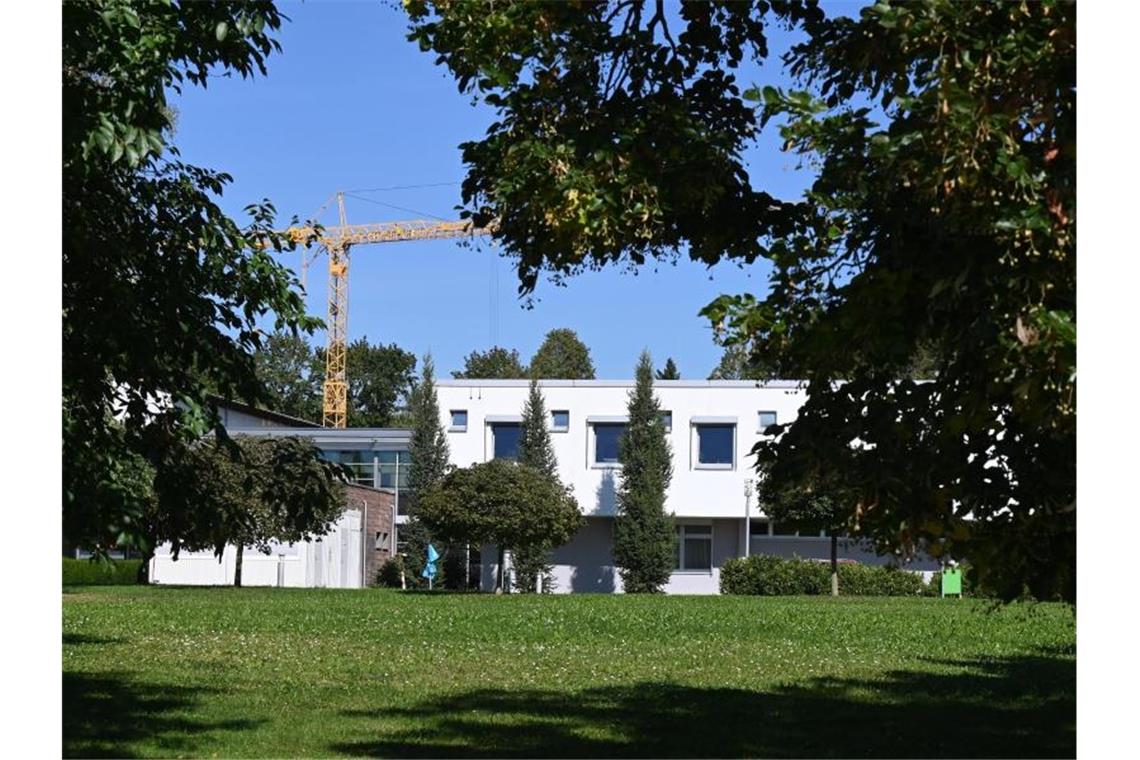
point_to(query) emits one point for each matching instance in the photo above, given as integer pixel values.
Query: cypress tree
(644, 539)
(429, 453)
(537, 451)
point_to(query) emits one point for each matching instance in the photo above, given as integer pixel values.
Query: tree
(943, 213)
(644, 538)
(818, 504)
(669, 372)
(501, 502)
(246, 492)
(493, 364)
(536, 450)
(737, 363)
(379, 378)
(562, 356)
(162, 292)
(292, 379)
(429, 454)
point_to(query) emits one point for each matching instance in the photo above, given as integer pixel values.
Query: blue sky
(350, 104)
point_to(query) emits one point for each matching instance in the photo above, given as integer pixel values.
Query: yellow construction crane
(337, 241)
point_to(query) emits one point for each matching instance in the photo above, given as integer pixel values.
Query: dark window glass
(667, 421)
(459, 418)
(560, 419)
(694, 547)
(715, 445)
(606, 437)
(506, 439)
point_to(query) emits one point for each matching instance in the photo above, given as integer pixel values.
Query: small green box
(952, 581)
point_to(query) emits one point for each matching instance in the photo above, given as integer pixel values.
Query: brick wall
(378, 521)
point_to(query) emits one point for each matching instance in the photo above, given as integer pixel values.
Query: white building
(711, 426)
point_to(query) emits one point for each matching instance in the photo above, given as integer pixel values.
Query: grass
(301, 672)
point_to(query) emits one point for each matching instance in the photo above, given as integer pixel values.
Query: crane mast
(338, 242)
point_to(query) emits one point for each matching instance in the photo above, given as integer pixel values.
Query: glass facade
(505, 436)
(393, 468)
(606, 437)
(358, 462)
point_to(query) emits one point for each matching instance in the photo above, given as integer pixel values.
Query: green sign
(952, 581)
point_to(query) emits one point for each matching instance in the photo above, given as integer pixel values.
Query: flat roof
(782, 384)
(376, 437)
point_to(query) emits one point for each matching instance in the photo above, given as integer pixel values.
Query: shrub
(765, 575)
(86, 572)
(388, 576)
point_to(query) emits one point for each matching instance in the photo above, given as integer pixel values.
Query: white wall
(693, 492)
(333, 561)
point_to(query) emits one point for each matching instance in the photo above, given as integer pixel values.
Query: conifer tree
(644, 540)
(669, 372)
(429, 453)
(537, 451)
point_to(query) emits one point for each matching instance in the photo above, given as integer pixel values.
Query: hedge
(85, 572)
(765, 575)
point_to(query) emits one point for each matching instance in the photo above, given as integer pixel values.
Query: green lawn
(285, 672)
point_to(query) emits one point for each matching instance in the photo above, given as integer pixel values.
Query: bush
(388, 576)
(86, 572)
(765, 575)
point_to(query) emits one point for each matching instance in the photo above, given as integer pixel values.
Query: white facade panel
(694, 492)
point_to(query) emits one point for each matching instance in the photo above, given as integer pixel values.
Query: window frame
(696, 444)
(504, 423)
(556, 428)
(453, 428)
(760, 426)
(592, 454)
(682, 535)
(667, 420)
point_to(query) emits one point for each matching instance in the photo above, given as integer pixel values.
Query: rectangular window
(715, 444)
(394, 466)
(765, 421)
(667, 421)
(606, 437)
(458, 421)
(505, 438)
(694, 547)
(560, 420)
(357, 461)
(783, 529)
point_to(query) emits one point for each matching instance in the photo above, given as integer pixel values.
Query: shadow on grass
(1023, 707)
(105, 714)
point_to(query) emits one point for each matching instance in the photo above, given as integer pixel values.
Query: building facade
(711, 427)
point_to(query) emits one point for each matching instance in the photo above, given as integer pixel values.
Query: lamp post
(747, 517)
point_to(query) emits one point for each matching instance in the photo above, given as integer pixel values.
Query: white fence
(333, 561)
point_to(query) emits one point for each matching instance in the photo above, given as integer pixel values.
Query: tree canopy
(562, 356)
(247, 492)
(942, 218)
(501, 502)
(644, 542)
(162, 291)
(496, 363)
(669, 371)
(380, 379)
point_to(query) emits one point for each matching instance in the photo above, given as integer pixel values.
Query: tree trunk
(143, 577)
(834, 565)
(237, 566)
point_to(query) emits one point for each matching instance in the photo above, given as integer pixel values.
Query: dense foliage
(501, 502)
(246, 492)
(89, 572)
(496, 363)
(429, 453)
(536, 450)
(669, 371)
(766, 575)
(942, 218)
(644, 540)
(162, 292)
(562, 356)
(380, 379)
